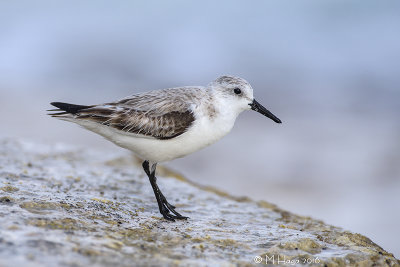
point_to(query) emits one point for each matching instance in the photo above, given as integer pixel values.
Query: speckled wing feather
(162, 114)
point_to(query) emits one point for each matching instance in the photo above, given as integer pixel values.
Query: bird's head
(237, 92)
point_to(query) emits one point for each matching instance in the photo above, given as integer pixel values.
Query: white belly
(202, 133)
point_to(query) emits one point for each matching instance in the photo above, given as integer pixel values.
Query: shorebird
(166, 124)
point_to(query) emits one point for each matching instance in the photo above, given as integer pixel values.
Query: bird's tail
(65, 109)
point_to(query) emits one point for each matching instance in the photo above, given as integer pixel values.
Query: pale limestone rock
(62, 206)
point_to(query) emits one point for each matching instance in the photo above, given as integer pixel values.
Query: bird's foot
(166, 210)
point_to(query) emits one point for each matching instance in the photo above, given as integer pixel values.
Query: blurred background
(329, 69)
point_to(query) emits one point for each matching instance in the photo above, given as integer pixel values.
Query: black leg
(163, 205)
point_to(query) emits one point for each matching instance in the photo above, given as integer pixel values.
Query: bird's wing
(162, 114)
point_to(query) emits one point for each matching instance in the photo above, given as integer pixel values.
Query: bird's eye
(237, 91)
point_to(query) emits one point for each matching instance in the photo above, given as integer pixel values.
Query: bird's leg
(153, 185)
(163, 205)
(163, 199)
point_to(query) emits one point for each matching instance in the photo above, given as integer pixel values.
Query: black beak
(259, 108)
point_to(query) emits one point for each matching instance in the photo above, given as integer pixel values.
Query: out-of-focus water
(329, 70)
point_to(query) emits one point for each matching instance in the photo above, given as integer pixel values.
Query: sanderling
(166, 124)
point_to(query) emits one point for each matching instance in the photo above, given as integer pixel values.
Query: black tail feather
(69, 108)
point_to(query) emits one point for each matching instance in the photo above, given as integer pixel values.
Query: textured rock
(62, 206)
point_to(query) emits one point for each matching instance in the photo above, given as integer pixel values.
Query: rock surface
(61, 206)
